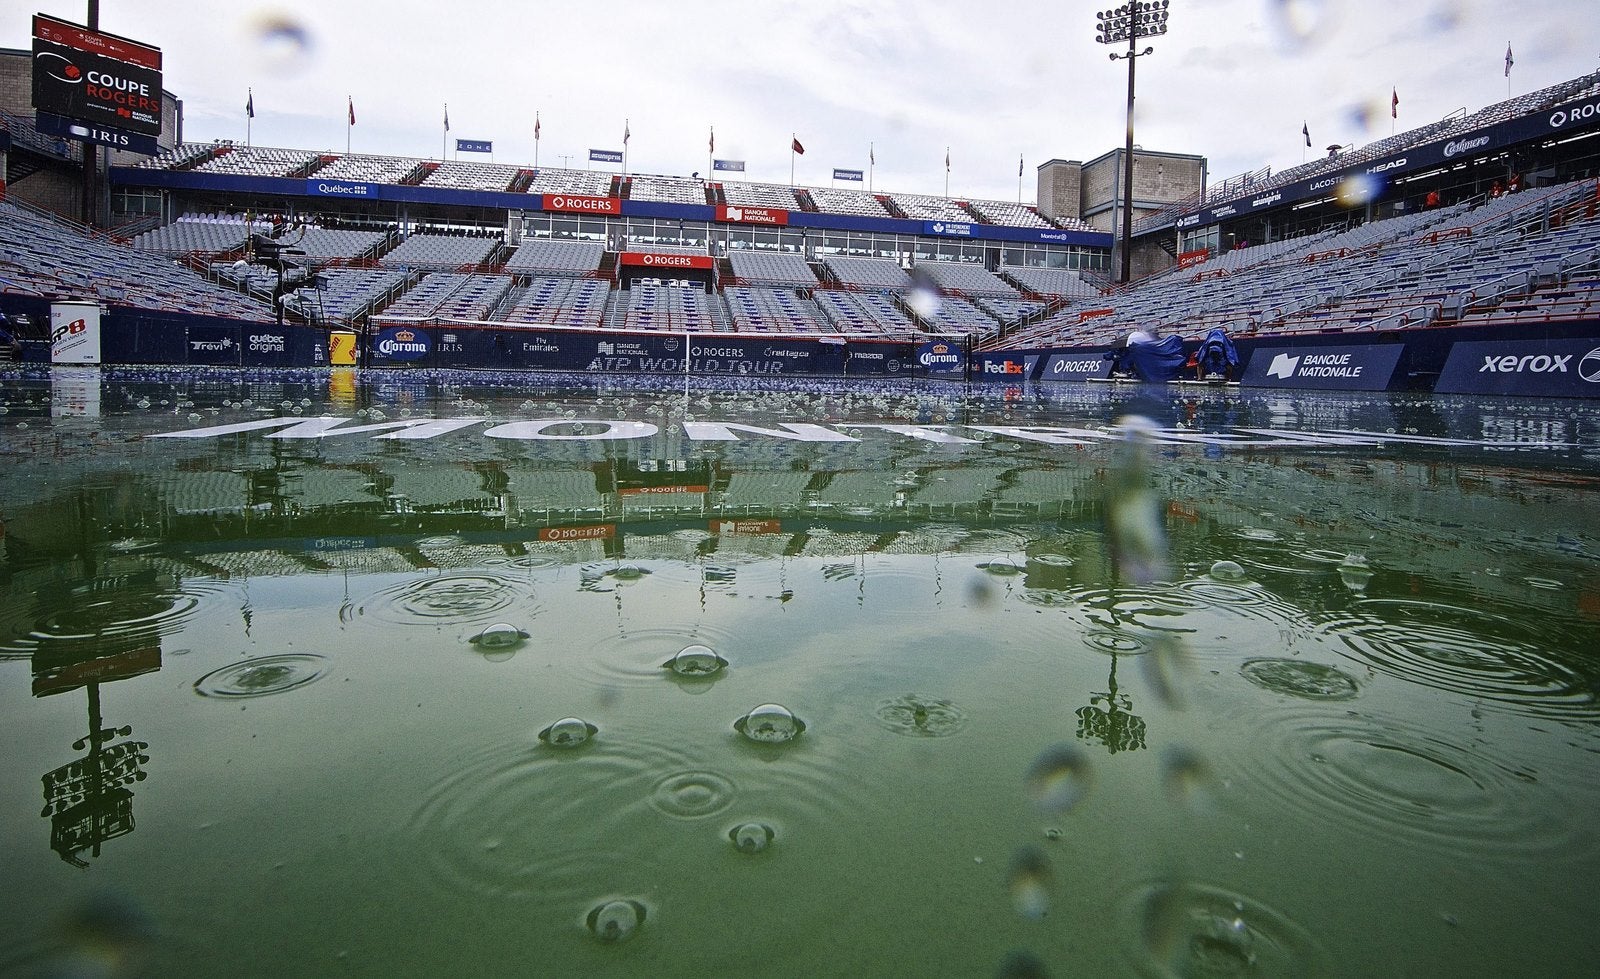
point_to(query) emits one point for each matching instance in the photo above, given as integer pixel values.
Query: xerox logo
(59, 67)
(1529, 363)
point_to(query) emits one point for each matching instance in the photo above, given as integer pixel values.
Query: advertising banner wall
(1343, 368)
(1568, 368)
(96, 78)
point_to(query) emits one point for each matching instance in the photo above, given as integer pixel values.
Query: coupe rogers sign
(664, 260)
(579, 204)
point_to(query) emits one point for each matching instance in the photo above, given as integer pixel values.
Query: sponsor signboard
(667, 490)
(96, 78)
(215, 345)
(1345, 368)
(1195, 257)
(600, 531)
(942, 357)
(1004, 367)
(121, 139)
(74, 333)
(401, 343)
(474, 146)
(605, 156)
(581, 204)
(733, 166)
(340, 188)
(855, 175)
(1567, 368)
(1077, 365)
(752, 215)
(667, 260)
(726, 527)
(950, 229)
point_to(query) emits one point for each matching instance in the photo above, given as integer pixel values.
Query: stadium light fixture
(1131, 22)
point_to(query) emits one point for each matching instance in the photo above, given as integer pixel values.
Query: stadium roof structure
(224, 168)
(1564, 111)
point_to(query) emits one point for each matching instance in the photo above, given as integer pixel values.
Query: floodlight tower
(1130, 22)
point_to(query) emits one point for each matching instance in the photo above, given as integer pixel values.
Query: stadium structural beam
(1130, 22)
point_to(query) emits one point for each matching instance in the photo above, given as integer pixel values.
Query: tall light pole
(1130, 22)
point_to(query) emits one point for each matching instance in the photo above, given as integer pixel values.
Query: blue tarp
(1152, 359)
(1216, 353)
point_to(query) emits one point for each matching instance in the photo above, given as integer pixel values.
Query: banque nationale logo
(613, 429)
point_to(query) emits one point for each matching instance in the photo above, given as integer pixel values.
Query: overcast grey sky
(993, 80)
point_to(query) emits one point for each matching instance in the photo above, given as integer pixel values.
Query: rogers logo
(1561, 117)
(603, 205)
(670, 261)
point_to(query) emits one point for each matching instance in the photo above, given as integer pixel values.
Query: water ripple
(1466, 651)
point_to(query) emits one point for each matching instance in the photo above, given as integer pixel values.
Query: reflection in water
(1350, 656)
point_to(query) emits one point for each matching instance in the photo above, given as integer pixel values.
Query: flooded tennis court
(375, 673)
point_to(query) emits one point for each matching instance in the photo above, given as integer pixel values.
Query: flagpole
(872, 164)
(350, 107)
(792, 139)
(250, 115)
(947, 172)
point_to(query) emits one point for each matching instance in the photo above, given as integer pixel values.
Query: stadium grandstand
(1400, 241)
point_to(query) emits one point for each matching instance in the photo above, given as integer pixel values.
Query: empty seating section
(1049, 282)
(566, 257)
(471, 176)
(1009, 311)
(350, 292)
(369, 169)
(578, 303)
(864, 314)
(587, 183)
(452, 295)
(178, 157)
(772, 268)
(667, 305)
(440, 251)
(921, 207)
(774, 196)
(1508, 259)
(832, 201)
(772, 310)
(1009, 213)
(950, 314)
(965, 277)
(673, 190)
(323, 245)
(869, 273)
(199, 233)
(257, 162)
(43, 257)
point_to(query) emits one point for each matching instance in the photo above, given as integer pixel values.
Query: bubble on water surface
(569, 732)
(616, 921)
(696, 661)
(770, 724)
(751, 837)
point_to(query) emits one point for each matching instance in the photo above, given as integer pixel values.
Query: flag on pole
(1394, 103)
(1019, 164)
(947, 159)
(1509, 62)
(872, 154)
(250, 105)
(536, 126)
(712, 146)
(795, 146)
(627, 132)
(447, 117)
(1305, 130)
(351, 102)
